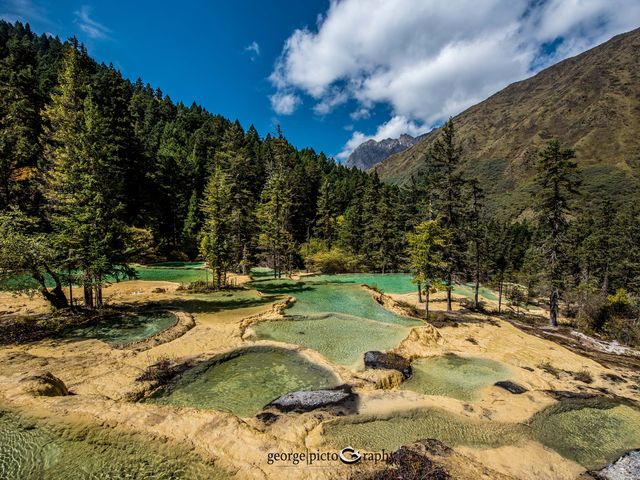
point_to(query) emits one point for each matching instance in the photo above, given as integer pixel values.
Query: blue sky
(331, 73)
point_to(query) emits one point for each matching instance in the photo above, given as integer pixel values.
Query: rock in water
(307, 400)
(43, 384)
(511, 387)
(388, 361)
(627, 467)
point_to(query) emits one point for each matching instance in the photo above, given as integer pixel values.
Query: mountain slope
(591, 102)
(371, 152)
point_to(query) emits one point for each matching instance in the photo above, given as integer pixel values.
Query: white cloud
(362, 113)
(329, 102)
(396, 126)
(253, 49)
(90, 26)
(284, 103)
(22, 11)
(430, 59)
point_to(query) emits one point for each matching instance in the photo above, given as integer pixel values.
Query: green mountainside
(590, 102)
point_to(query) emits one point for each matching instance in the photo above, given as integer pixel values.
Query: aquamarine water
(119, 330)
(339, 320)
(389, 282)
(245, 383)
(394, 283)
(455, 376)
(33, 451)
(343, 339)
(178, 272)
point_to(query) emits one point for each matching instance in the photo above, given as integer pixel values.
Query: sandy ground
(103, 379)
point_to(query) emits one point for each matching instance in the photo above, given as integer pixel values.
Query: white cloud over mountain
(429, 59)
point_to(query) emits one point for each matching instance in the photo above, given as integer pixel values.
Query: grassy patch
(550, 369)
(583, 376)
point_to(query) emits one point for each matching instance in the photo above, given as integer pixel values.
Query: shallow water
(123, 329)
(341, 321)
(245, 383)
(389, 282)
(390, 434)
(178, 272)
(454, 376)
(341, 338)
(42, 451)
(592, 434)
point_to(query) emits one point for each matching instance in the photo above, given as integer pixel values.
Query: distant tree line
(97, 173)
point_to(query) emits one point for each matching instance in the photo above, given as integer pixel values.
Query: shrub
(517, 296)
(583, 376)
(550, 369)
(335, 260)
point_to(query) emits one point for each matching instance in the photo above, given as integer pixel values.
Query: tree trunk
(449, 288)
(55, 297)
(419, 293)
(98, 291)
(553, 307)
(476, 303)
(88, 296)
(426, 304)
(605, 280)
(500, 294)
(58, 292)
(70, 288)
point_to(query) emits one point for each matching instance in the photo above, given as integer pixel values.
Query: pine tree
(443, 160)
(191, 226)
(19, 124)
(427, 246)
(215, 237)
(83, 186)
(326, 215)
(477, 234)
(556, 185)
(244, 174)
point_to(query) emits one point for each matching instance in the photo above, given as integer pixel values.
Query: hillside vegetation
(590, 102)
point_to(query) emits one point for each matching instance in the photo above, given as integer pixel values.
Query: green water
(389, 283)
(123, 329)
(395, 283)
(261, 272)
(592, 434)
(342, 339)
(178, 272)
(390, 434)
(245, 383)
(341, 321)
(454, 376)
(38, 451)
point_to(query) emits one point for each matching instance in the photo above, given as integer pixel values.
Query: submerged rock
(341, 398)
(511, 387)
(627, 467)
(388, 361)
(43, 384)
